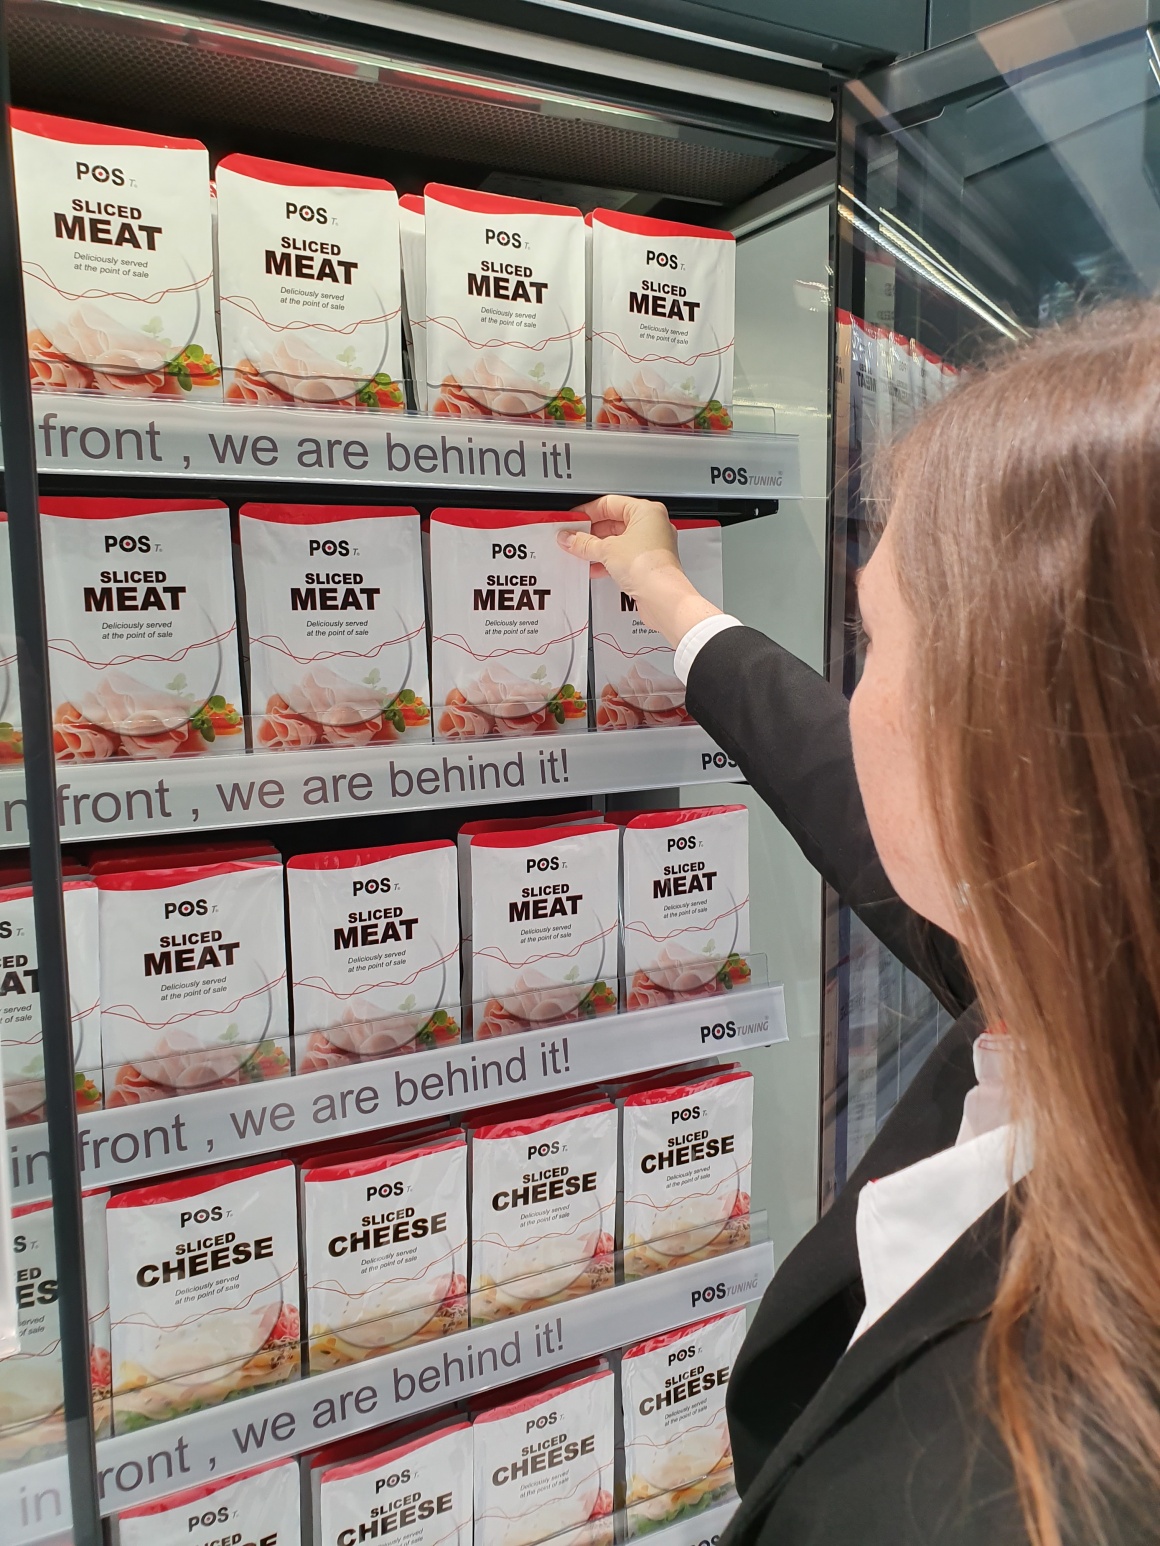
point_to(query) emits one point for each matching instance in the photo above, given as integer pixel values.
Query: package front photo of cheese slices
(203, 1291)
(408, 1486)
(258, 1506)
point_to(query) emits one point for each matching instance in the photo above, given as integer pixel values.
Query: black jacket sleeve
(788, 730)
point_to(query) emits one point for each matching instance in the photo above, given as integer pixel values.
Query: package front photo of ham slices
(203, 1291)
(193, 974)
(509, 624)
(374, 950)
(142, 628)
(335, 625)
(308, 274)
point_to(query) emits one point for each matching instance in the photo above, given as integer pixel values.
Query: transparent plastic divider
(133, 1142)
(219, 790)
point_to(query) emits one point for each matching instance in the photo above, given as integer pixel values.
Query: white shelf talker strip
(701, 1530)
(122, 798)
(138, 438)
(130, 1143)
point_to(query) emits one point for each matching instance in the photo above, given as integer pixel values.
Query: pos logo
(729, 475)
(723, 1030)
(711, 1294)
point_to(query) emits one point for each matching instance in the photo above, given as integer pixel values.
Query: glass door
(987, 189)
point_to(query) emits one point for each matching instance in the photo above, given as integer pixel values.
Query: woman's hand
(634, 541)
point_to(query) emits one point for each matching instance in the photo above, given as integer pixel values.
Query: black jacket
(888, 1444)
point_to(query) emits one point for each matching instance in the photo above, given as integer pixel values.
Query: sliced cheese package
(633, 681)
(687, 1151)
(505, 306)
(544, 1465)
(374, 947)
(11, 733)
(543, 1207)
(261, 1507)
(193, 973)
(308, 279)
(142, 629)
(117, 250)
(463, 838)
(384, 1249)
(684, 903)
(662, 323)
(677, 1456)
(21, 1046)
(335, 624)
(543, 926)
(32, 1424)
(509, 624)
(412, 1488)
(203, 1291)
(412, 237)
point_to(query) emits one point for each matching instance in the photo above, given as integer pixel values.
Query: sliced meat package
(633, 680)
(544, 1465)
(544, 915)
(374, 949)
(412, 239)
(32, 1425)
(687, 1152)
(543, 1208)
(117, 251)
(203, 1291)
(677, 1457)
(142, 628)
(193, 974)
(384, 1249)
(335, 624)
(262, 1507)
(11, 733)
(21, 1046)
(684, 903)
(662, 323)
(414, 1489)
(309, 285)
(505, 306)
(509, 624)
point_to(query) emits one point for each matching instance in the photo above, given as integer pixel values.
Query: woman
(966, 1349)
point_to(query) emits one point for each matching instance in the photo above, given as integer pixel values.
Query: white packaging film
(543, 1209)
(412, 240)
(203, 1291)
(142, 628)
(385, 1250)
(687, 1152)
(662, 324)
(416, 1491)
(193, 978)
(509, 624)
(543, 946)
(32, 1425)
(257, 1508)
(336, 625)
(685, 903)
(633, 682)
(21, 1047)
(374, 950)
(544, 1467)
(11, 733)
(677, 1456)
(309, 283)
(117, 253)
(505, 298)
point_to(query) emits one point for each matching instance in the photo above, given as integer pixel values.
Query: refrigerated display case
(701, 136)
(986, 189)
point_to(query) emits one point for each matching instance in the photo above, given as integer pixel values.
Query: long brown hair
(1025, 529)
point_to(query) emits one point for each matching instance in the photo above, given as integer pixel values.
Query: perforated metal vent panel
(92, 62)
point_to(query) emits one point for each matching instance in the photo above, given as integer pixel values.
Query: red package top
(386, 1444)
(75, 131)
(522, 1126)
(691, 523)
(542, 1390)
(290, 176)
(122, 509)
(643, 225)
(480, 203)
(678, 818)
(158, 878)
(501, 520)
(533, 837)
(179, 1500)
(191, 1185)
(665, 1092)
(137, 856)
(528, 823)
(320, 515)
(353, 858)
(369, 1161)
(413, 202)
(667, 1338)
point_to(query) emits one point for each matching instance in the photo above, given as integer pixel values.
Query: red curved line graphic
(453, 325)
(615, 341)
(113, 295)
(67, 647)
